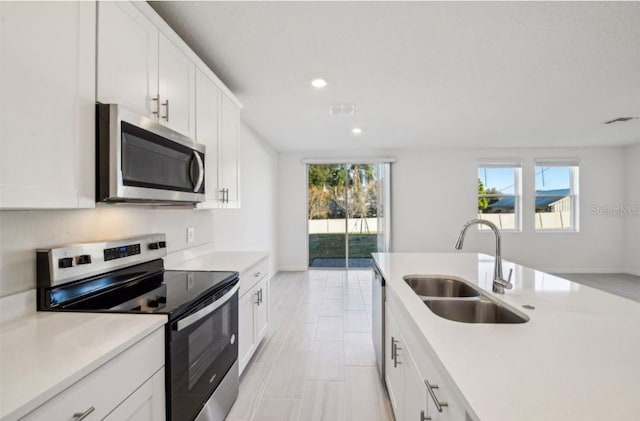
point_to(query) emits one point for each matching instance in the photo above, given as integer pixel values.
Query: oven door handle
(202, 313)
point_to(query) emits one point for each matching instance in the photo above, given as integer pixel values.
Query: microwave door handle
(200, 171)
(202, 313)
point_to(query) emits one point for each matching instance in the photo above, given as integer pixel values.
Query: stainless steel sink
(474, 311)
(440, 286)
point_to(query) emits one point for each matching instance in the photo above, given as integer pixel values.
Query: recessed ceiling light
(319, 83)
(356, 131)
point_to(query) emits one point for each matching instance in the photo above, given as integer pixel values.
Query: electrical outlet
(191, 234)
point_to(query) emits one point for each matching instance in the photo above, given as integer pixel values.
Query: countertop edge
(51, 392)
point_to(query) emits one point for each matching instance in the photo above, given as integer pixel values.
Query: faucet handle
(509, 277)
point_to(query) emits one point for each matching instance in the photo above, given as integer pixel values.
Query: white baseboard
(292, 268)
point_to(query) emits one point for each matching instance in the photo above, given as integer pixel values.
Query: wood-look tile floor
(317, 360)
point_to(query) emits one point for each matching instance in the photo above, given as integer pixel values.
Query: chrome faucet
(499, 283)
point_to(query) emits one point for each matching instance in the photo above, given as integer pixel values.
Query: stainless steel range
(128, 276)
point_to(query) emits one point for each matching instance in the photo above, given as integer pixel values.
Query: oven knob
(65, 262)
(162, 300)
(83, 259)
(154, 246)
(152, 303)
(163, 244)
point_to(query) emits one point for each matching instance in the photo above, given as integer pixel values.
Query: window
(499, 190)
(556, 203)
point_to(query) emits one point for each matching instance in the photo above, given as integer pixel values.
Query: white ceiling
(424, 74)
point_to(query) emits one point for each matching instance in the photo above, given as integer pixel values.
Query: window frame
(574, 193)
(516, 164)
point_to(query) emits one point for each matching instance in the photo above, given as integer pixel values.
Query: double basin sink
(456, 300)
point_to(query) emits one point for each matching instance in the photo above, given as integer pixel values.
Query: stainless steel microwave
(141, 161)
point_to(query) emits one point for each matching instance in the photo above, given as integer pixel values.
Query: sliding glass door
(346, 213)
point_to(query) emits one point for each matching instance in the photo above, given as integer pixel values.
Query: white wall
(433, 194)
(22, 232)
(632, 155)
(252, 227)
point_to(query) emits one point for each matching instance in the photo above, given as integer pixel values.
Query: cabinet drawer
(253, 275)
(109, 385)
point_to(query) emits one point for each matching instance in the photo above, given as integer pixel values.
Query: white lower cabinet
(394, 351)
(145, 404)
(412, 370)
(128, 387)
(253, 311)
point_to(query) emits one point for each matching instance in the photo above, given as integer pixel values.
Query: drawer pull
(430, 388)
(393, 348)
(395, 358)
(257, 274)
(78, 416)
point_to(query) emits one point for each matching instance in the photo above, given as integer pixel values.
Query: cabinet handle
(257, 297)
(423, 417)
(395, 359)
(225, 195)
(261, 300)
(200, 180)
(393, 348)
(166, 105)
(430, 388)
(78, 416)
(257, 274)
(157, 101)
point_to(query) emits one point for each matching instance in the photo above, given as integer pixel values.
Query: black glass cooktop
(144, 288)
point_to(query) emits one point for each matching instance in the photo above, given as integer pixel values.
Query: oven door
(202, 347)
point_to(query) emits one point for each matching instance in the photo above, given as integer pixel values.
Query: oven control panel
(122, 251)
(64, 264)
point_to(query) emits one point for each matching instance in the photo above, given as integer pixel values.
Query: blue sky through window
(552, 178)
(502, 179)
(547, 178)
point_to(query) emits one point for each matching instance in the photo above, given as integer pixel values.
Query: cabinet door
(246, 327)
(207, 114)
(47, 105)
(127, 58)
(228, 153)
(147, 403)
(415, 393)
(394, 349)
(262, 309)
(177, 88)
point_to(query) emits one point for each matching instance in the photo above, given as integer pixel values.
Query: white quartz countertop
(238, 261)
(577, 358)
(43, 353)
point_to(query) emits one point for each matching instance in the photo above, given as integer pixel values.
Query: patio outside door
(347, 221)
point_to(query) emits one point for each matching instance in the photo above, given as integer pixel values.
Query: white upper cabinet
(127, 58)
(47, 111)
(142, 70)
(229, 170)
(176, 88)
(208, 98)
(217, 124)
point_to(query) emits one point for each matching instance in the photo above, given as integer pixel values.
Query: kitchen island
(577, 358)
